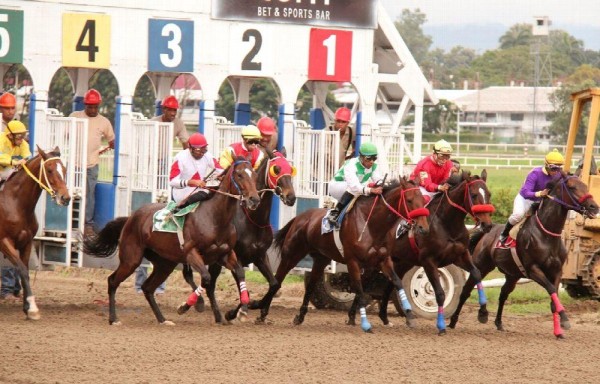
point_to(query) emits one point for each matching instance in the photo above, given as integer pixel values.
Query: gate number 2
(247, 63)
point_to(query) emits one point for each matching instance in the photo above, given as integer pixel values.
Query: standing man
(347, 139)
(14, 152)
(268, 131)
(170, 105)
(99, 127)
(8, 108)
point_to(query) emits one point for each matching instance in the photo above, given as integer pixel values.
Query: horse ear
(484, 175)
(41, 152)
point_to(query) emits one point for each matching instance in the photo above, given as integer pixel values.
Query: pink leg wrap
(557, 329)
(192, 299)
(559, 307)
(244, 296)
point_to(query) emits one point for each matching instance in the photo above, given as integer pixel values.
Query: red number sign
(330, 55)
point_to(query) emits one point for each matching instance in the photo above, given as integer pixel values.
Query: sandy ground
(73, 343)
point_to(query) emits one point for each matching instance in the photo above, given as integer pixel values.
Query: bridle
(410, 214)
(473, 209)
(42, 179)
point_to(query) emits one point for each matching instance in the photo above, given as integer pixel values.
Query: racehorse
(362, 235)
(208, 237)
(275, 178)
(18, 225)
(540, 252)
(447, 240)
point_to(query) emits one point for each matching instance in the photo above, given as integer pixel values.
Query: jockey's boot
(505, 231)
(198, 196)
(335, 212)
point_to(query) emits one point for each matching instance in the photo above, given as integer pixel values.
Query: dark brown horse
(363, 238)
(540, 252)
(18, 225)
(255, 234)
(447, 240)
(208, 238)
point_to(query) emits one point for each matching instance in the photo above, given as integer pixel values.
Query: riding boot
(198, 196)
(335, 212)
(505, 232)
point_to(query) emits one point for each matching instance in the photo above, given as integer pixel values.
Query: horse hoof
(368, 330)
(442, 332)
(33, 315)
(117, 323)
(389, 324)
(350, 322)
(560, 336)
(168, 323)
(411, 323)
(565, 325)
(183, 308)
(242, 316)
(263, 321)
(297, 320)
(230, 316)
(199, 306)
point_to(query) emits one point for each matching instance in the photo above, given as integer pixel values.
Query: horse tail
(281, 235)
(106, 241)
(474, 239)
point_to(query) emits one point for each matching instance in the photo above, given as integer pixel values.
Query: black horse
(540, 252)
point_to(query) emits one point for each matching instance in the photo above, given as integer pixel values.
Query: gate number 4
(89, 30)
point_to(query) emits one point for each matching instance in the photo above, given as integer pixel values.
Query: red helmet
(266, 126)
(92, 97)
(342, 114)
(198, 140)
(170, 102)
(8, 100)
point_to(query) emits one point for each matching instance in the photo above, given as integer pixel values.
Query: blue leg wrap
(441, 322)
(364, 323)
(404, 301)
(481, 292)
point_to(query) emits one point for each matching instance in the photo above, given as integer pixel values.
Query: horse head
(242, 180)
(573, 194)
(412, 204)
(475, 199)
(51, 175)
(279, 177)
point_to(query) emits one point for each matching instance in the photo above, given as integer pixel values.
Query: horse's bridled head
(280, 178)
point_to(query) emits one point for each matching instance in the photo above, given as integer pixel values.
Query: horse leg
(188, 275)
(507, 288)
(123, 271)
(440, 296)
(383, 303)
(316, 274)
(29, 306)
(356, 284)
(237, 270)
(466, 263)
(265, 268)
(160, 272)
(387, 267)
(352, 312)
(194, 259)
(559, 315)
(215, 271)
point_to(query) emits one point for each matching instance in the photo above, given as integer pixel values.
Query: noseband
(474, 209)
(576, 203)
(412, 214)
(42, 179)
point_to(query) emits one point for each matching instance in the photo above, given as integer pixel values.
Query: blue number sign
(170, 45)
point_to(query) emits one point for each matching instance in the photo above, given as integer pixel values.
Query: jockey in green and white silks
(358, 176)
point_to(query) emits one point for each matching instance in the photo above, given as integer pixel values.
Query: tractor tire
(420, 292)
(331, 292)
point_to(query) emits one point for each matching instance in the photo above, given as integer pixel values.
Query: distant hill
(483, 37)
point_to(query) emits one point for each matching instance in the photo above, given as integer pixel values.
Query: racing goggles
(18, 136)
(252, 141)
(199, 148)
(554, 167)
(371, 158)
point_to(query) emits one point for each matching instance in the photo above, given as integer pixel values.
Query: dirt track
(73, 343)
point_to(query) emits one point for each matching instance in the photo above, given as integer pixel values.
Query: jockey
(248, 148)
(189, 172)
(533, 189)
(268, 131)
(358, 176)
(14, 150)
(434, 170)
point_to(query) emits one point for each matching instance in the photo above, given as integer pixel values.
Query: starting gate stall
(224, 134)
(60, 228)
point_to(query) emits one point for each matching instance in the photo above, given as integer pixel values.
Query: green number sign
(11, 36)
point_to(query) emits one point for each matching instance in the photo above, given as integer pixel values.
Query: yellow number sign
(86, 40)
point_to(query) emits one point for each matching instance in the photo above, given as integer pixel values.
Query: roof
(507, 99)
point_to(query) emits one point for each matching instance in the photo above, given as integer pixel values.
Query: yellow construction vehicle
(581, 272)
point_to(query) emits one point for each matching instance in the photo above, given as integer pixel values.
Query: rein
(474, 208)
(579, 207)
(47, 187)
(238, 196)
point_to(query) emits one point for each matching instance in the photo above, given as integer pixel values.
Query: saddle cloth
(165, 220)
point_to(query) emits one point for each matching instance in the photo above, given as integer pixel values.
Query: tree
(409, 24)
(517, 35)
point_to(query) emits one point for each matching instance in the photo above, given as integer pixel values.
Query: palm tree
(518, 34)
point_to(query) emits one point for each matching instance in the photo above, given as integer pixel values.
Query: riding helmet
(251, 132)
(197, 140)
(368, 149)
(554, 157)
(15, 126)
(443, 147)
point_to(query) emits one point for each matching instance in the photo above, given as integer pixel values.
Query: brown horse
(208, 238)
(18, 225)
(447, 240)
(540, 252)
(363, 238)
(275, 178)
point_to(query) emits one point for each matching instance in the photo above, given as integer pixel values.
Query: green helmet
(368, 149)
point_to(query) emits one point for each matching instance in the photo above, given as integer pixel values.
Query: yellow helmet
(554, 157)
(15, 126)
(443, 147)
(251, 132)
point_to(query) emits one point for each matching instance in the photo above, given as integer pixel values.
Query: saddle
(165, 220)
(511, 241)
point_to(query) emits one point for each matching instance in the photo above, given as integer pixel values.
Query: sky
(580, 18)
